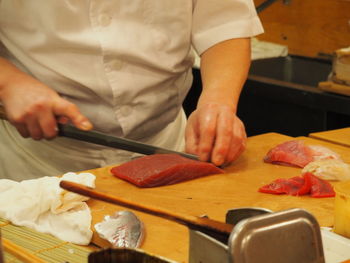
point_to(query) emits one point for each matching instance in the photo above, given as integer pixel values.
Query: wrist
(218, 97)
(9, 73)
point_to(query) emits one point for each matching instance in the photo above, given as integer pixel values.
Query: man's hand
(33, 108)
(215, 134)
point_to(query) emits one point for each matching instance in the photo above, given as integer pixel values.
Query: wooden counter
(212, 196)
(339, 136)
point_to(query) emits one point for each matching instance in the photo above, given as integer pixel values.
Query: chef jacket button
(125, 110)
(117, 64)
(104, 19)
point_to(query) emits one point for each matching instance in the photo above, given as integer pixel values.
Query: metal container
(206, 249)
(287, 236)
(233, 216)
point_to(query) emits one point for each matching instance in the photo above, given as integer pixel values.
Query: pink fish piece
(297, 153)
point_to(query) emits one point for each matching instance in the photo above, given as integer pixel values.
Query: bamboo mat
(44, 246)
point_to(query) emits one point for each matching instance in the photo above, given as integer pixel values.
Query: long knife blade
(115, 142)
(95, 137)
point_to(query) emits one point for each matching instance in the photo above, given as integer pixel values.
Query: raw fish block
(163, 169)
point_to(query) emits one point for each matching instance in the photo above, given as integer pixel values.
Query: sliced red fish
(296, 153)
(319, 187)
(306, 184)
(163, 169)
(292, 186)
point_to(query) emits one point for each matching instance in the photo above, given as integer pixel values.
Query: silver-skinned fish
(122, 229)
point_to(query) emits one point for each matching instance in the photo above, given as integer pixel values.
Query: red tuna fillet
(163, 169)
(296, 153)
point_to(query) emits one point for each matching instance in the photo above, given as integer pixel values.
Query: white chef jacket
(125, 64)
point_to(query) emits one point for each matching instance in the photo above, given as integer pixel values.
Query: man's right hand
(34, 108)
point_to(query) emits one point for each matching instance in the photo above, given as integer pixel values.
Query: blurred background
(299, 81)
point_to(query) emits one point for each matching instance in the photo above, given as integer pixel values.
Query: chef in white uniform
(122, 68)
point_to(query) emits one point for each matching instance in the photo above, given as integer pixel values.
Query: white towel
(42, 205)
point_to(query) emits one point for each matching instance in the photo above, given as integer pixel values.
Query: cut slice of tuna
(296, 153)
(306, 184)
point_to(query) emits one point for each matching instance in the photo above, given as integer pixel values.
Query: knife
(69, 131)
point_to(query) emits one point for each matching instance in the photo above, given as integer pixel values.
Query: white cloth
(263, 49)
(42, 205)
(125, 64)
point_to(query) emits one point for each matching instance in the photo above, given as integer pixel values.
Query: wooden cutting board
(330, 86)
(338, 136)
(212, 196)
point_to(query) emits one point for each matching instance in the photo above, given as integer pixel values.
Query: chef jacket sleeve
(216, 21)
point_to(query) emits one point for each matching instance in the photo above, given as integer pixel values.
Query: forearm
(8, 73)
(224, 69)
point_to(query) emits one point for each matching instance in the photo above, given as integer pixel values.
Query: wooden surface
(330, 86)
(339, 136)
(206, 225)
(20, 253)
(307, 27)
(212, 196)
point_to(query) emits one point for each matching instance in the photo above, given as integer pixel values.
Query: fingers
(215, 134)
(207, 133)
(224, 139)
(239, 141)
(37, 122)
(70, 111)
(40, 120)
(200, 132)
(34, 108)
(191, 136)
(22, 129)
(34, 128)
(48, 125)
(224, 154)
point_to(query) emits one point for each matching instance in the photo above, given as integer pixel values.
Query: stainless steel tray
(287, 236)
